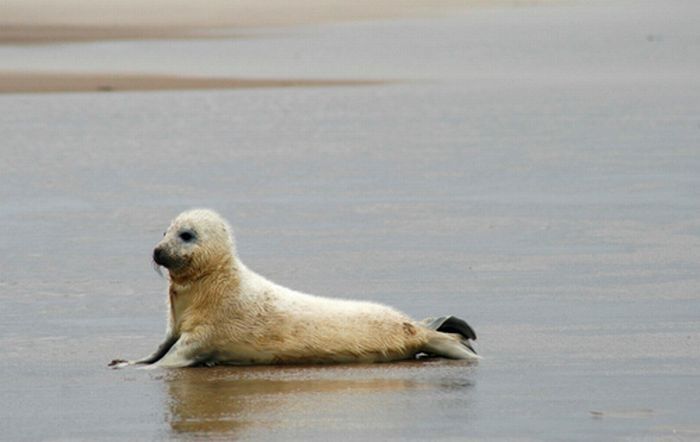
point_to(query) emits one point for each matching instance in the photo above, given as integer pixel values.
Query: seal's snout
(160, 257)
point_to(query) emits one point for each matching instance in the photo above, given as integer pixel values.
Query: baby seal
(221, 312)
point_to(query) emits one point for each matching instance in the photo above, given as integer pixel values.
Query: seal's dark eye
(186, 236)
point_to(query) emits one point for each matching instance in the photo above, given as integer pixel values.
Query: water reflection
(238, 400)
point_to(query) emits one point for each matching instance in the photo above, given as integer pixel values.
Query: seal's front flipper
(183, 353)
(118, 363)
(162, 349)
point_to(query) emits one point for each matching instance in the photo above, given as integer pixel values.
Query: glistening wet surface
(544, 189)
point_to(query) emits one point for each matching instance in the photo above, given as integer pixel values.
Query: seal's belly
(240, 355)
(245, 355)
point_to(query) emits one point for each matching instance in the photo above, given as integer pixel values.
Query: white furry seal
(223, 313)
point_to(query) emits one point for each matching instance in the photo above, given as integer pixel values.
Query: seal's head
(196, 243)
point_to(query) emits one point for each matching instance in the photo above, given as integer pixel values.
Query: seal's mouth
(157, 268)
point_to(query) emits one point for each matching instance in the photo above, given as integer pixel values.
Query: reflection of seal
(222, 312)
(239, 402)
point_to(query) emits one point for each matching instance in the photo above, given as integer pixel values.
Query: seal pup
(221, 312)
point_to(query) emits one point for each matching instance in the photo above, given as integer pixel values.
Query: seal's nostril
(157, 255)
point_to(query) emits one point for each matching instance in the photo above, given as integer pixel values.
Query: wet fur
(222, 312)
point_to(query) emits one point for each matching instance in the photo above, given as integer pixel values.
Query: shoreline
(33, 34)
(33, 82)
(45, 21)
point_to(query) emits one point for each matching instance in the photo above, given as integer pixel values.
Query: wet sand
(42, 21)
(545, 189)
(70, 82)
(33, 33)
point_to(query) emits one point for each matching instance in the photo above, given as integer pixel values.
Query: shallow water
(543, 184)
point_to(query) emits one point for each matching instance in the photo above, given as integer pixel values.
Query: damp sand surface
(33, 82)
(537, 174)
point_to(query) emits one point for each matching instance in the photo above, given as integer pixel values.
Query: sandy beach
(47, 22)
(32, 82)
(40, 21)
(218, 13)
(531, 167)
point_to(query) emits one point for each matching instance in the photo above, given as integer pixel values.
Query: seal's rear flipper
(449, 324)
(454, 339)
